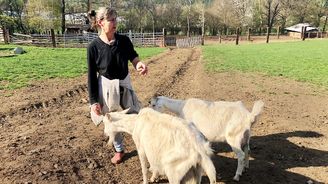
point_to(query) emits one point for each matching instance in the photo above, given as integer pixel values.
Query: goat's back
(213, 118)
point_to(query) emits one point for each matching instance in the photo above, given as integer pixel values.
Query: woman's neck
(107, 37)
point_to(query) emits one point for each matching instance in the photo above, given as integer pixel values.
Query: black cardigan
(110, 61)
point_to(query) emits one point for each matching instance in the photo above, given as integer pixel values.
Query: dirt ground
(46, 135)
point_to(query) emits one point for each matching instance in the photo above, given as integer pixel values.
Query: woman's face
(108, 25)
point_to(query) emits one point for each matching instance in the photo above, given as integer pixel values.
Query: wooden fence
(189, 42)
(83, 39)
(1, 36)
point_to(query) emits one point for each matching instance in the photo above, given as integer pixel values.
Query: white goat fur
(218, 121)
(171, 145)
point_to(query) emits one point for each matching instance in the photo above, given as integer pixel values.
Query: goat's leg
(241, 156)
(246, 151)
(143, 159)
(154, 176)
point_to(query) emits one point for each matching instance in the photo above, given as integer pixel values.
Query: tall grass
(302, 61)
(43, 63)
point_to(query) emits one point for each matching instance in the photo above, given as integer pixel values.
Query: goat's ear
(126, 111)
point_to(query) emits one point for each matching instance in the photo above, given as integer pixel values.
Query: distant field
(43, 63)
(302, 60)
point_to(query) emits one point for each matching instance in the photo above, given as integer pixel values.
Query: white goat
(171, 145)
(218, 121)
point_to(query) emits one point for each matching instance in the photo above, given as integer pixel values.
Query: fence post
(304, 33)
(318, 33)
(249, 34)
(164, 35)
(220, 37)
(237, 36)
(278, 32)
(267, 35)
(52, 32)
(130, 35)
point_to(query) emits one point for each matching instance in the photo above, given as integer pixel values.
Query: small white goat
(171, 145)
(218, 121)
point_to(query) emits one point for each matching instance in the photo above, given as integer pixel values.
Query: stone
(18, 50)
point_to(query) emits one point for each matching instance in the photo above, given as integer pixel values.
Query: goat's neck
(125, 125)
(174, 105)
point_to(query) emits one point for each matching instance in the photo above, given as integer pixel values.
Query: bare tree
(271, 12)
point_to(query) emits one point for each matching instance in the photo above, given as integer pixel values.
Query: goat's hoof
(154, 179)
(236, 178)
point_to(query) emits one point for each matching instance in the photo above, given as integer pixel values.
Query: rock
(18, 50)
(83, 100)
(309, 182)
(92, 164)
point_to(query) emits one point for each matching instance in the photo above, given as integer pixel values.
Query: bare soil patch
(47, 135)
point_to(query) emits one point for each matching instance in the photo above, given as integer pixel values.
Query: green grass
(305, 61)
(40, 63)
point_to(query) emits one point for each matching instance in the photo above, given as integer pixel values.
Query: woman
(108, 75)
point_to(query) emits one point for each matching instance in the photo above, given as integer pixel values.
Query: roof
(298, 27)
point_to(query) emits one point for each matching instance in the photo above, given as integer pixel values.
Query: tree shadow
(273, 155)
(6, 56)
(6, 48)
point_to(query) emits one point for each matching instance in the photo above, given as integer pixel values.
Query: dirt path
(47, 136)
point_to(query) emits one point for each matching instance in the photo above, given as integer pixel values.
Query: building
(296, 30)
(76, 22)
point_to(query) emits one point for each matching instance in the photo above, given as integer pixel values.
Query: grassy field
(305, 61)
(43, 63)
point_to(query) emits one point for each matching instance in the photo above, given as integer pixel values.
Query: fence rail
(189, 42)
(83, 39)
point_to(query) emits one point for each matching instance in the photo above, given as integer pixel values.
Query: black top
(110, 61)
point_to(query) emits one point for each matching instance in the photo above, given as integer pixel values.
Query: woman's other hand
(142, 68)
(96, 108)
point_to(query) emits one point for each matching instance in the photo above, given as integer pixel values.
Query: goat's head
(156, 103)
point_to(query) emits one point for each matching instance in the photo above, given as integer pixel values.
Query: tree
(271, 12)
(14, 9)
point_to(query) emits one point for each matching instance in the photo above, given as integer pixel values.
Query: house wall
(308, 35)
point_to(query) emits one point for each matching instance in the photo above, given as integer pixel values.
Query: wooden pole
(249, 34)
(278, 32)
(237, 36)
(164, 34)
(304, 33)
(220, 38)
(267, 35)
(52, 32)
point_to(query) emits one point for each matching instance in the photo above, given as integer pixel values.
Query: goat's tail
(257, 109)
(204, 149)
(208, 165)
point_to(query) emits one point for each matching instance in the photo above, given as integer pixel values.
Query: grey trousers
(116, 94)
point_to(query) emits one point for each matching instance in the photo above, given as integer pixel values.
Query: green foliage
(6, 20)
(302, 61)
(43, 15)
(43, 63)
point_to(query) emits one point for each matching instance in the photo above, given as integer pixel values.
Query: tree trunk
(63, 16)
(324, 26)
(203, 24)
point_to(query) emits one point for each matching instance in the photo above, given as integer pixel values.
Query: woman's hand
(96, 108)
(142, 68)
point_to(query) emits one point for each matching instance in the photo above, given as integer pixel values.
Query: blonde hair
(101, 14)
